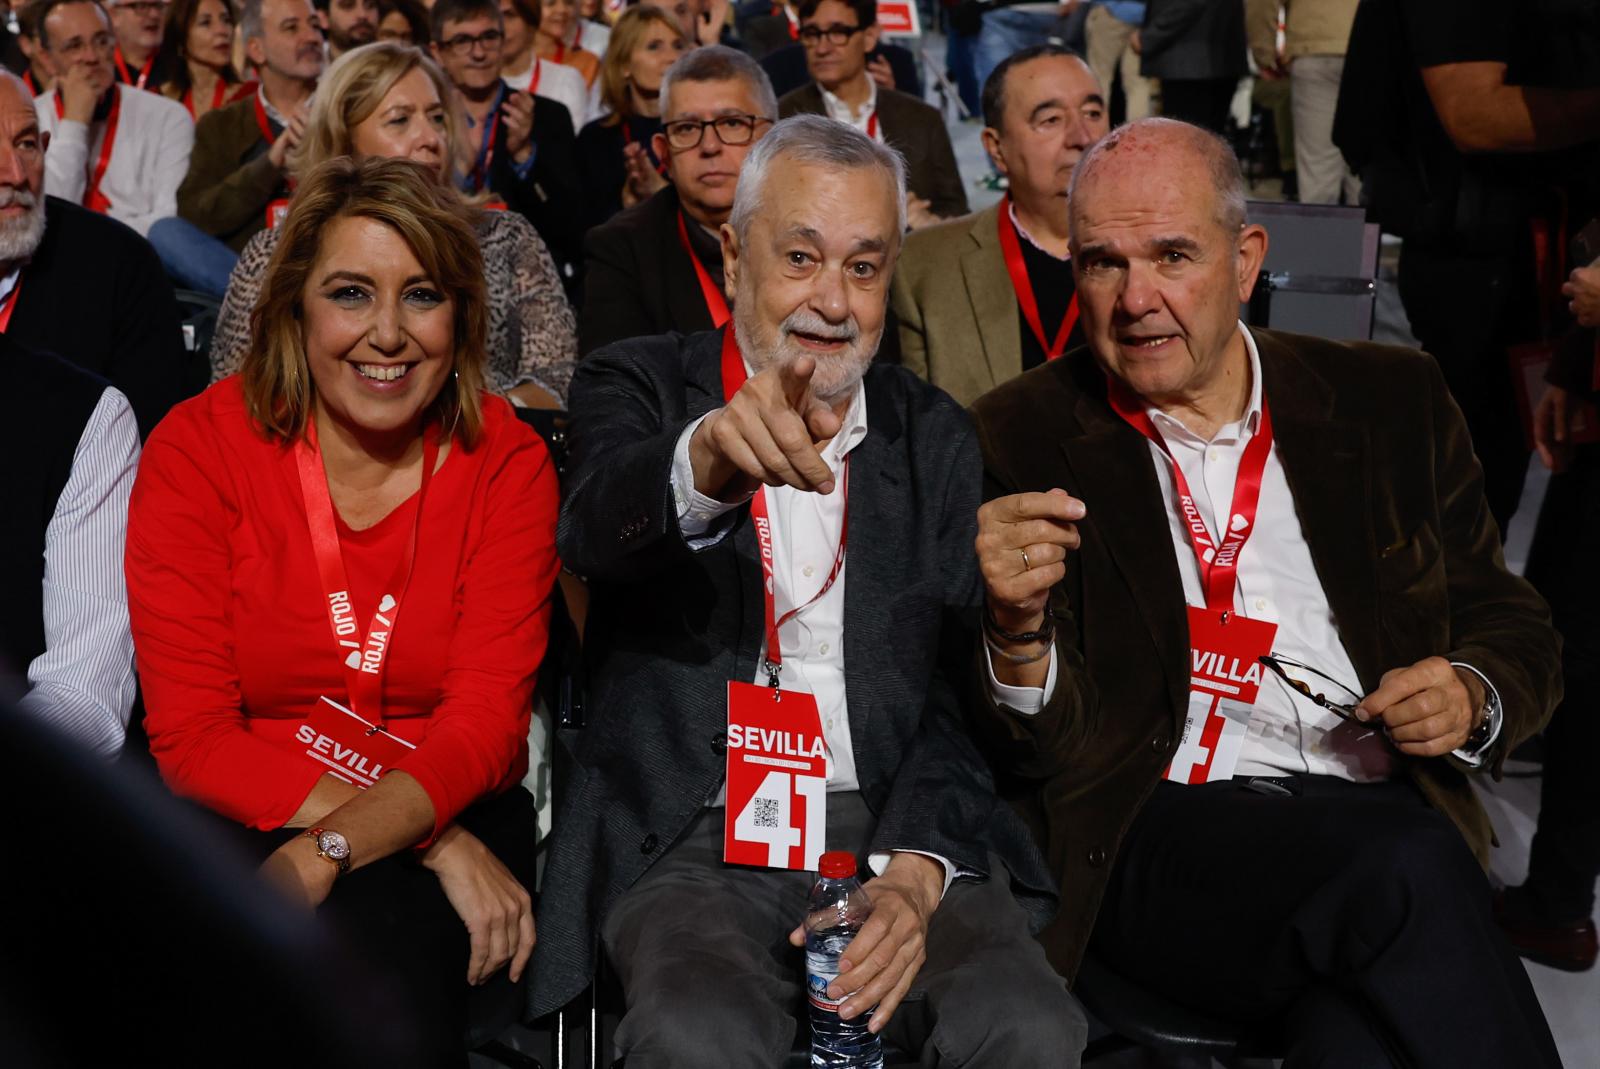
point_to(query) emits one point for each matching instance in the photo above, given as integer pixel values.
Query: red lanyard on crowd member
(217, 96)
(561, 52)
(364, 657)
(627, 139)
(716, 303)
(1219, 564)
(93, 199)
(480, 169)
(793, 20)
(264, 121)
(872, 124)
(1011, 245)
(127, 76)
(9, 304)
(733, 377)
(27, 80)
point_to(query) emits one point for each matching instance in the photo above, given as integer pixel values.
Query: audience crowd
(1115, 635)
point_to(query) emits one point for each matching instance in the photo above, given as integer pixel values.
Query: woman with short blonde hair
(388, 100)
(339, 567)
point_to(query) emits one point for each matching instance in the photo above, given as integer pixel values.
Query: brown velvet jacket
(1390, 497)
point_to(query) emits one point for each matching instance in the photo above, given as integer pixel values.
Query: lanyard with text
(9, 304)
(733, 377)
(93, 199)
(776, 810)
(127, 76)
(363, 657)
(1224, 648)
(217, 96)
(716, 302)
(1011, 245)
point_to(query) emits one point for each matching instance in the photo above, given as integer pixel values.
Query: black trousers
(1351, 916)
(1565, 565)
(394, 916)
(1201, 101)
(1466, 310)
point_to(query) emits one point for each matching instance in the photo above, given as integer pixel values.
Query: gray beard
(20, 238)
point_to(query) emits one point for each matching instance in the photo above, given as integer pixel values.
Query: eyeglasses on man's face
(838, 34)
(464, 43)
(685, 134)
(1318, 687)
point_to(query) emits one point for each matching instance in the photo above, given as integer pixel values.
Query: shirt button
(823, 649)
(1261, 605)
(808, 571)
(1097, 857)
(648, 846)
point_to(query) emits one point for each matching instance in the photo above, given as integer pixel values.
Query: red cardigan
(232, 637)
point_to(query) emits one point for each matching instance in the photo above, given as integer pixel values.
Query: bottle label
(817, 990)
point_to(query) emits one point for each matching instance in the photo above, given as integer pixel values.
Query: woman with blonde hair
(339, 567)
(620, 166)
(390, 100)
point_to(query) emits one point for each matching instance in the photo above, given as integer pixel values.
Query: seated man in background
(137, 26)
(523, 149)
(1250, 663)
(983, 298)
(63, 601)
(81, 285)
(36, 72)
(239, 170)
(113, 148)
(348, 24)
(657, 267)
(837, 35)
(665, 497)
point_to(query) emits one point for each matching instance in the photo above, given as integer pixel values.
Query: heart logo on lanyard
(387, 603)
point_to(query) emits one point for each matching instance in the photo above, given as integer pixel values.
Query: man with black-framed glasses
(657, 267)
(837, 35)
(523, 152)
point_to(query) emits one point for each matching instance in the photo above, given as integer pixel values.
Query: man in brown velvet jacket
(1248, 631)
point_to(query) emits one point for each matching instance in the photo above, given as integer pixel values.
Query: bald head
(1178, 150)
(14, 90)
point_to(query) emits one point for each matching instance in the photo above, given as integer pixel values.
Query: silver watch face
(334, 845)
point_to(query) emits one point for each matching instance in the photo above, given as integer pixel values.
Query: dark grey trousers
(702, 949)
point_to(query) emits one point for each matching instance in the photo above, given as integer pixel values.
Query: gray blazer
(669, 626)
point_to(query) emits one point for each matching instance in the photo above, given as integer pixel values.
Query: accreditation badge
(350, 747)
(777, 799)
(1225, 651)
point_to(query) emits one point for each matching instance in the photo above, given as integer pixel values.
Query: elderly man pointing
(778, 538)
(1249, 633)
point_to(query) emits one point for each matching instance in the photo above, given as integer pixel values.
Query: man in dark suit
(82, 285)
(1244, 504)
(657, 267)
(1197, 49)
(837, 35)
(675, 466)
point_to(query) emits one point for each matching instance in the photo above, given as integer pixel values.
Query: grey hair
(816, 140)
(249, 20)
(718, 63)
(1222, 166)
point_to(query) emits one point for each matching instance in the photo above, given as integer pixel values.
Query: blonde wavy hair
(439, 228)
(626, 35)
(351, 90)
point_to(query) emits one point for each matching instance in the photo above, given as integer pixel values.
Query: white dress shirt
(1277, 582)
(149, 157)
(860, 118)
(557, 82)
(83, 682)
(806, 528)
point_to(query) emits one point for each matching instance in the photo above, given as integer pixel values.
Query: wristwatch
(331, 847)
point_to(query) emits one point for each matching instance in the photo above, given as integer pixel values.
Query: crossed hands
(881, 962)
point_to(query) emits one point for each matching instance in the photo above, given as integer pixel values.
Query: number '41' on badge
(777, 779)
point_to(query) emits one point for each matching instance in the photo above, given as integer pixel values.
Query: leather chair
(1136, 1017)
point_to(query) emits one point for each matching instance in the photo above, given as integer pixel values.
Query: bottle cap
(837, 865)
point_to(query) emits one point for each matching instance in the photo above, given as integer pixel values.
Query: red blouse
(232, 636)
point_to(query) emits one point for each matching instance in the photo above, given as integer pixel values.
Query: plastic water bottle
(835, 913)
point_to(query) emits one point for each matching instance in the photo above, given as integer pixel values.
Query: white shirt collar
(1011, 209)
(1172, 428)
(272, 113)
(839, 110)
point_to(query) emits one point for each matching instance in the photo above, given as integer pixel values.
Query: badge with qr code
(777, 779)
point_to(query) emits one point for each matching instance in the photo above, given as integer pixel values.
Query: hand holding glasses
(1311, 683)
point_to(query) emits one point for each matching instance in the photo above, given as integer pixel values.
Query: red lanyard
(93, 199)
(216, 97)
(9, 304)
(264, 122)
(716, 303)
(144, 72)
(561, 52)
(1219, 565)
(1011, 245)
(872, 124)
(27, 80)
(364, 657)
(792, 18)
(733, 377)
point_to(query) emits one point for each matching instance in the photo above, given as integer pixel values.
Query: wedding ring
(1027, 567)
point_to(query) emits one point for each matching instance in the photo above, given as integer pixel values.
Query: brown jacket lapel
(994, 304)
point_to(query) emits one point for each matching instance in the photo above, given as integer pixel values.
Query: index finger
(794, 379)
(856, 960)
(1397, 686)
(1057, 504)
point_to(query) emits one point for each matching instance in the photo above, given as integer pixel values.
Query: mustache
(10, 195)
(805, 321)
